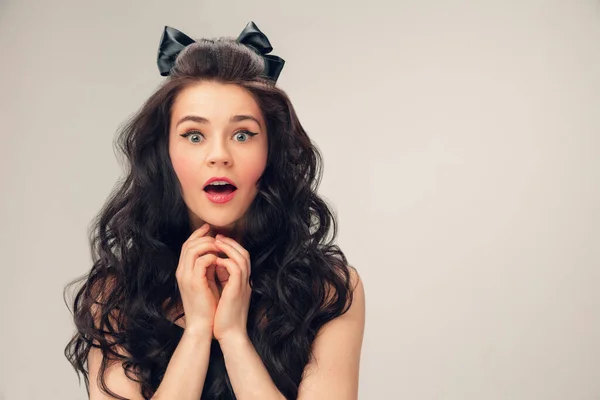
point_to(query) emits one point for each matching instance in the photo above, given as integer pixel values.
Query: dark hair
(300, 279)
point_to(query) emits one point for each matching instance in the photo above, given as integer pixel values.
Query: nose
(218, 154)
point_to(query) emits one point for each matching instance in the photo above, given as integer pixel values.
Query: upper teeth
(219, 183)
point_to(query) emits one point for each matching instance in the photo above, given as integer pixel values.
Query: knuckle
(206, 239)
(203, 260)
(186, 247)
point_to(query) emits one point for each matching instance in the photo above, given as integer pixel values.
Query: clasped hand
(207, 309)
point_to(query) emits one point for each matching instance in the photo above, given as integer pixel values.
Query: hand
(196, 280)
(232, 310)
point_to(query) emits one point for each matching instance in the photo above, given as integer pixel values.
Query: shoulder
(355, 279)
(349, 326)
(334, 365)
(356, 294)
(107, 322)
(356, 299)
(105, 357)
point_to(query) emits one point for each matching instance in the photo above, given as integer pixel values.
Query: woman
(213, 277)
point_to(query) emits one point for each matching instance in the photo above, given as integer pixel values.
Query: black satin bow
(173, 41)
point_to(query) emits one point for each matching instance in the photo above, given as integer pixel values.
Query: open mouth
(220, 189)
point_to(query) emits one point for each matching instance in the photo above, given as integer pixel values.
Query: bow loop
(171, 44)
(253, 37)
(173, 41)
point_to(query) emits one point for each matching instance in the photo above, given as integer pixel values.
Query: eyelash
(197, 132)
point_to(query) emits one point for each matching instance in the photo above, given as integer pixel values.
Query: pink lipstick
(220, 189)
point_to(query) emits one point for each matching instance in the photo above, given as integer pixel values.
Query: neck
(233, 233)
(233, 230)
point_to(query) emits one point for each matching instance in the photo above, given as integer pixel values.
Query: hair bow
(173, 41)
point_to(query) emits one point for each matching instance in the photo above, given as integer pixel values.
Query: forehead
(214, 100)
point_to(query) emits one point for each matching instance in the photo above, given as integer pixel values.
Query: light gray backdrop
(460, 141)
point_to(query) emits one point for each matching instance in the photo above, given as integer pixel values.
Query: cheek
(184, 171)
(254, 168)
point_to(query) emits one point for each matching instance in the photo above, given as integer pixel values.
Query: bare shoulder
(357, 290)
(114, 377)
(114, 374)
(356, 279)
(334, 367)
(356, 310)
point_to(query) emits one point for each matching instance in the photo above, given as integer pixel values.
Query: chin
(224, 224)
(221, 221)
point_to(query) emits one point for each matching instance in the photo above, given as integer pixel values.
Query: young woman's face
(217, 130)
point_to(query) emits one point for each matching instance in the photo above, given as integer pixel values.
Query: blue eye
(192, 134)
(247, 133)
(239, 134)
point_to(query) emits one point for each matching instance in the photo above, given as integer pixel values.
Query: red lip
(219, 178)
(220, 198)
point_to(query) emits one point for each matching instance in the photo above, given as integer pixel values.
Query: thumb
(222, 274)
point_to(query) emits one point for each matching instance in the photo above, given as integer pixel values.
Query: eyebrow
(202, 120)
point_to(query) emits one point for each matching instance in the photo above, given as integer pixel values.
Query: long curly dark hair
(300, 278)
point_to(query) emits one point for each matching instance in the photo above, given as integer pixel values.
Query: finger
(198, 243)
(235, 255)
(200, 232)
(215, 280)
(202, 239)
(212, 282)
(201, 264)
(200, 247)
(210, 272)
(196, 249)
(233, 243)
(222, 275)
(235, 276)
(203, 230)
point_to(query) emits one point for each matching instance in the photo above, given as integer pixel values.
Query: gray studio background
(460, 141)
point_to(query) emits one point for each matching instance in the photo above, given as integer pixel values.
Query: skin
(218, 147)
(222, 145)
